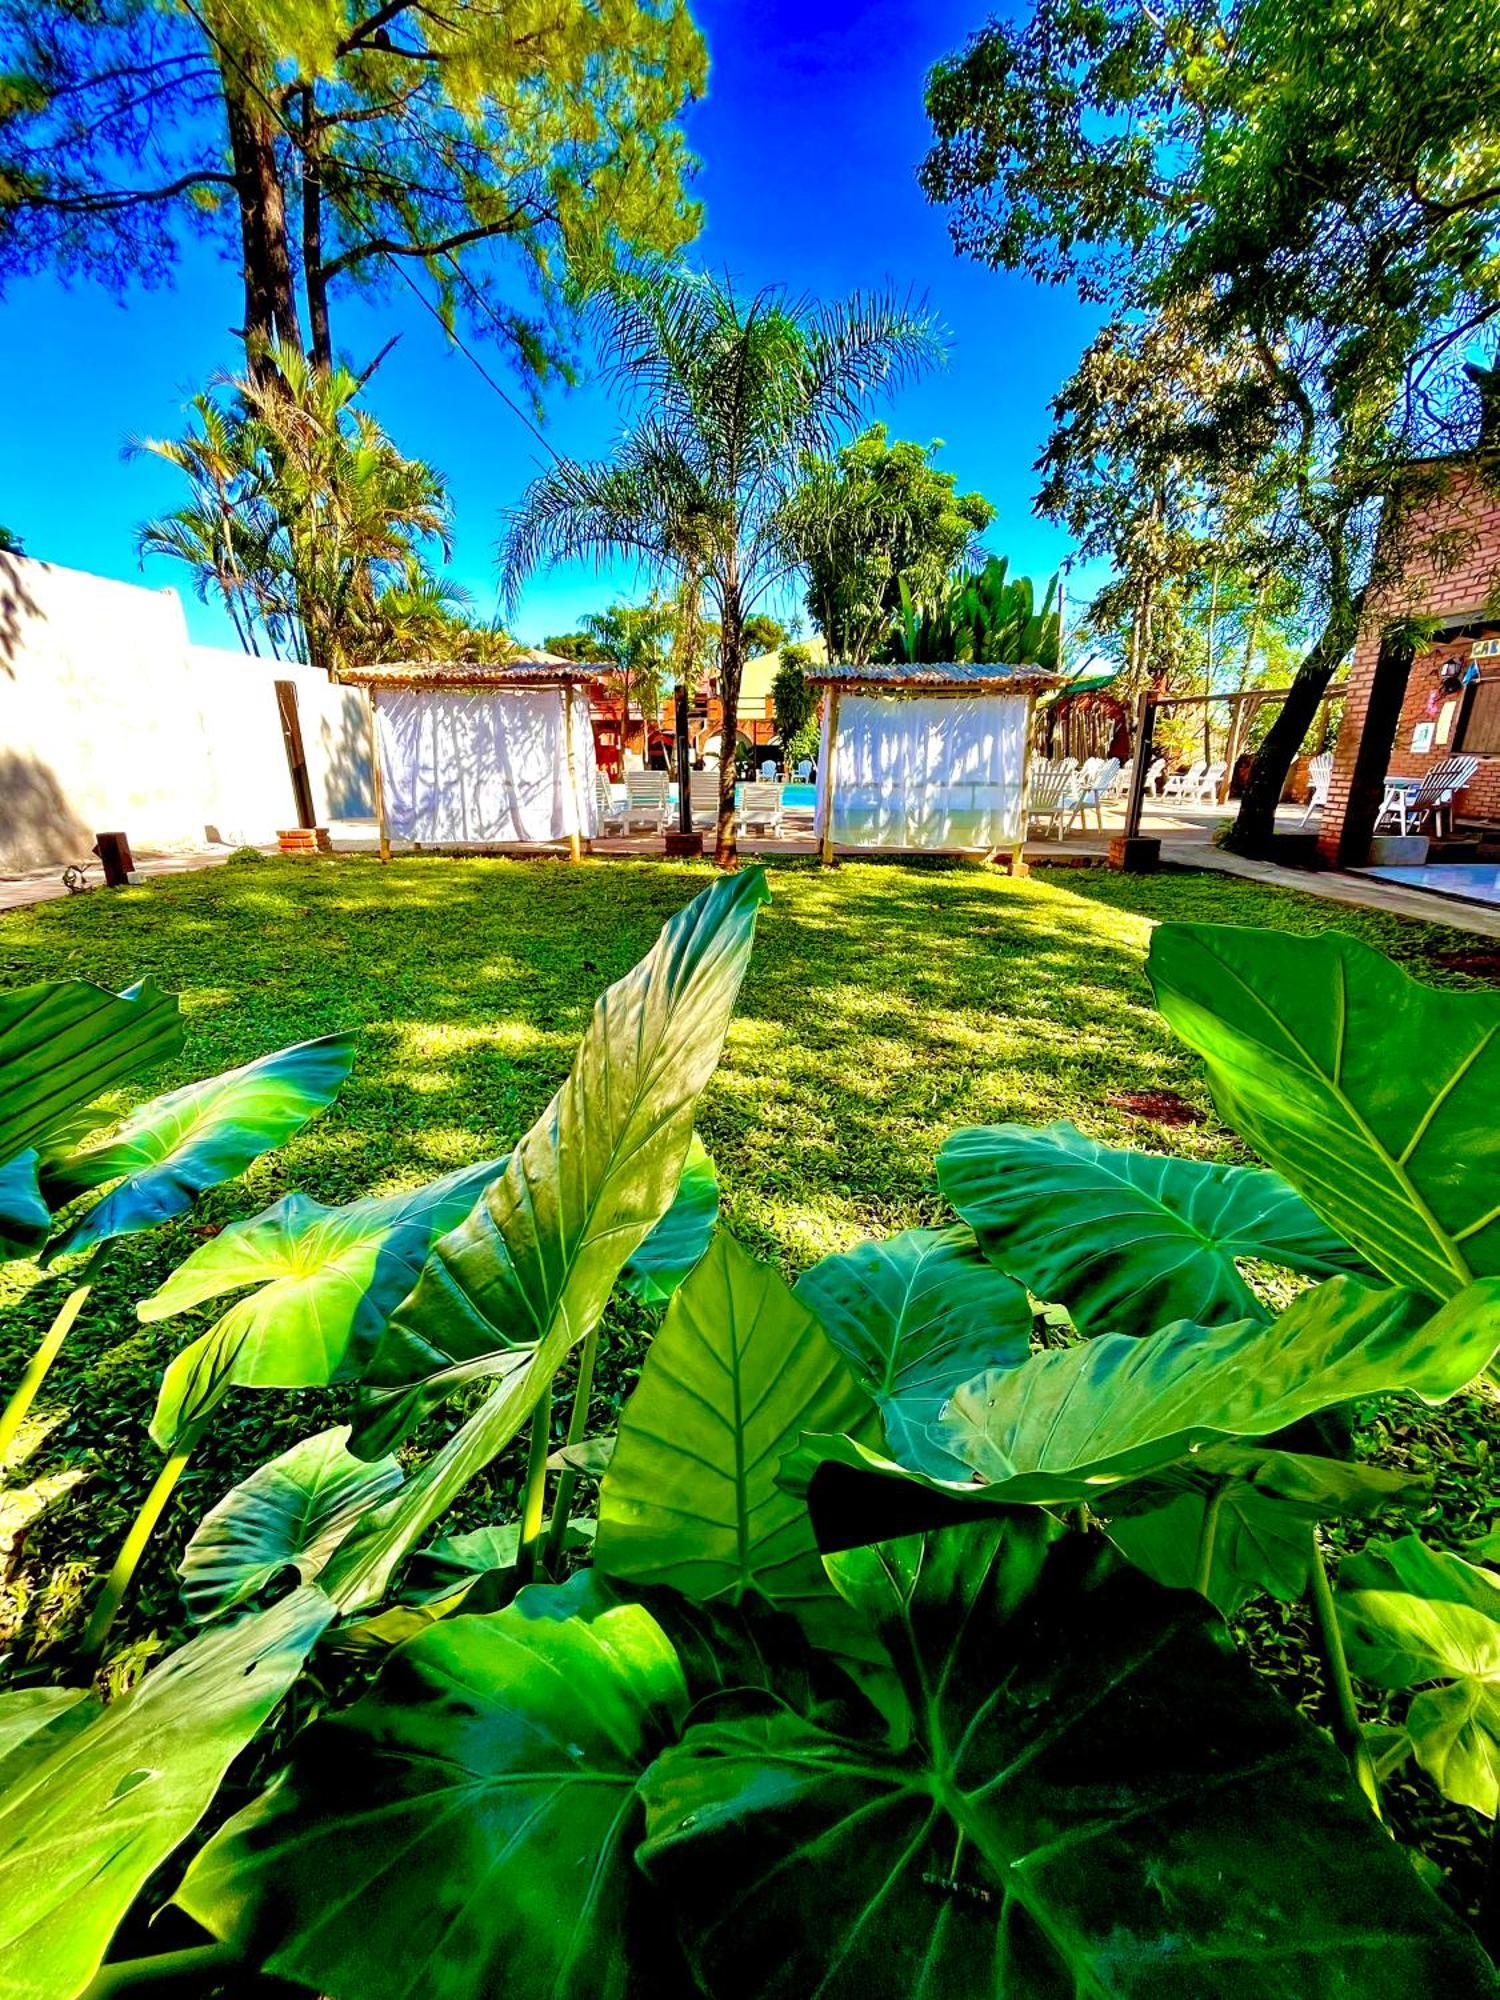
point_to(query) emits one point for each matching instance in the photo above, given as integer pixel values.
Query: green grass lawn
(885, 1005)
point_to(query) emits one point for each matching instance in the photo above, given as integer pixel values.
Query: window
(1479, 732)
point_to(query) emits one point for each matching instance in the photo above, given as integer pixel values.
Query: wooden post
(1018, 864)
(378, 781)
(575, 844)
(825, 777)
(1145, 724)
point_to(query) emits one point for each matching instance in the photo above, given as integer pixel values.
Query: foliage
(875, 519)
(763, 634)
(631, 642)
(733, 392)
(677, 1788)
(984, 618)
(306, 521)
(1300, 193)
(795, 705)
(365, 148)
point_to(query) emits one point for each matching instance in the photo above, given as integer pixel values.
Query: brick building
(1403, 719)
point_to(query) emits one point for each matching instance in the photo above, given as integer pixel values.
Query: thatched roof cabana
(926, 757)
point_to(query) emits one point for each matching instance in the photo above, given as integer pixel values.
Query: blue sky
(809, 139)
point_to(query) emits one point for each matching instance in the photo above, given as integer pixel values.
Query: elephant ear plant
(900, 1666)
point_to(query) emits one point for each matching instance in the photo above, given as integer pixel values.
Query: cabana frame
(524, 672)
(953, 679)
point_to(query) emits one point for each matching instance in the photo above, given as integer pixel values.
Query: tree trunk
(731, 664)
(314, 280)
(1255, 827)
(270, 300)
(1377, 739)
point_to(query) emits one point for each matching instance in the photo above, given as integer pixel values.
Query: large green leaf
(328, 1279)
(64, 1041)
(737, 1373)
(170, 1150)
(915, 1315)
(1095, 1797)
(1373, 1094)
(1083, 1418)
(83, 1828)
(1418, 1617)
(290, 1513)
(24, 1217)
(540, 1254)
(467, 1828)
(1127, 1241)
(1264, 1503)
(1074, 1425)
(674, 1246)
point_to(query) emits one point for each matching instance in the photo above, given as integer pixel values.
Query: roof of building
(949, 676)
(524, 669)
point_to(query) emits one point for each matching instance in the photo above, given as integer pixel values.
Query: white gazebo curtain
(483, 767)
(927, 771)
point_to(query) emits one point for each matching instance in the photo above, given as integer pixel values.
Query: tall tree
(1322, 178)
(870, 519)
(307, 522)
(763, 633)
(336, 143)
(731, 391)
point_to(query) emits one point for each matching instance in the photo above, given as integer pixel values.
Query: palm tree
(630, 639)
(730, 392)
(304, 516)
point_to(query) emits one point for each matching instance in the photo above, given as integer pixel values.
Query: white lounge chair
(1089, 788)
(703, 791)
(759, 805)
(1046, 788)
(1319, 771)
(613, 812)
(646, 800)
(1184, 784)
(1411, 803)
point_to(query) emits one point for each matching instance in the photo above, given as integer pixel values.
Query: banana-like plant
(900, 1665)
(981, 619)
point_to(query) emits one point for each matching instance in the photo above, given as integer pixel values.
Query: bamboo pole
(575, 844)
(378, 780)
(825, 777)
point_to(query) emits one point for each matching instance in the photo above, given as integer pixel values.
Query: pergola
(926, 758)
(470, 757)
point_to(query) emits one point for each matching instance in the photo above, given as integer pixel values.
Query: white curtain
(485, 767)
(927, 771)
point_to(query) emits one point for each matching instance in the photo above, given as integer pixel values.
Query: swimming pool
(1474, 881)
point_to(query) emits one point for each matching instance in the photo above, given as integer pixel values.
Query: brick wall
(1453, 569)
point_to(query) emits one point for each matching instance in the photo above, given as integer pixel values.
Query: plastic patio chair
(1431, 799)
(613, 812)
(1184, 784)
(804, 770)
(1156, 770)
(703, 792)
(1046, 790)
(1081, 795)
(759, 805)
(1320, 771)
(1208, 784)
(768, 771)
(646, 799)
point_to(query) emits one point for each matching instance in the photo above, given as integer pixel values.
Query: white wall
(111, 719)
